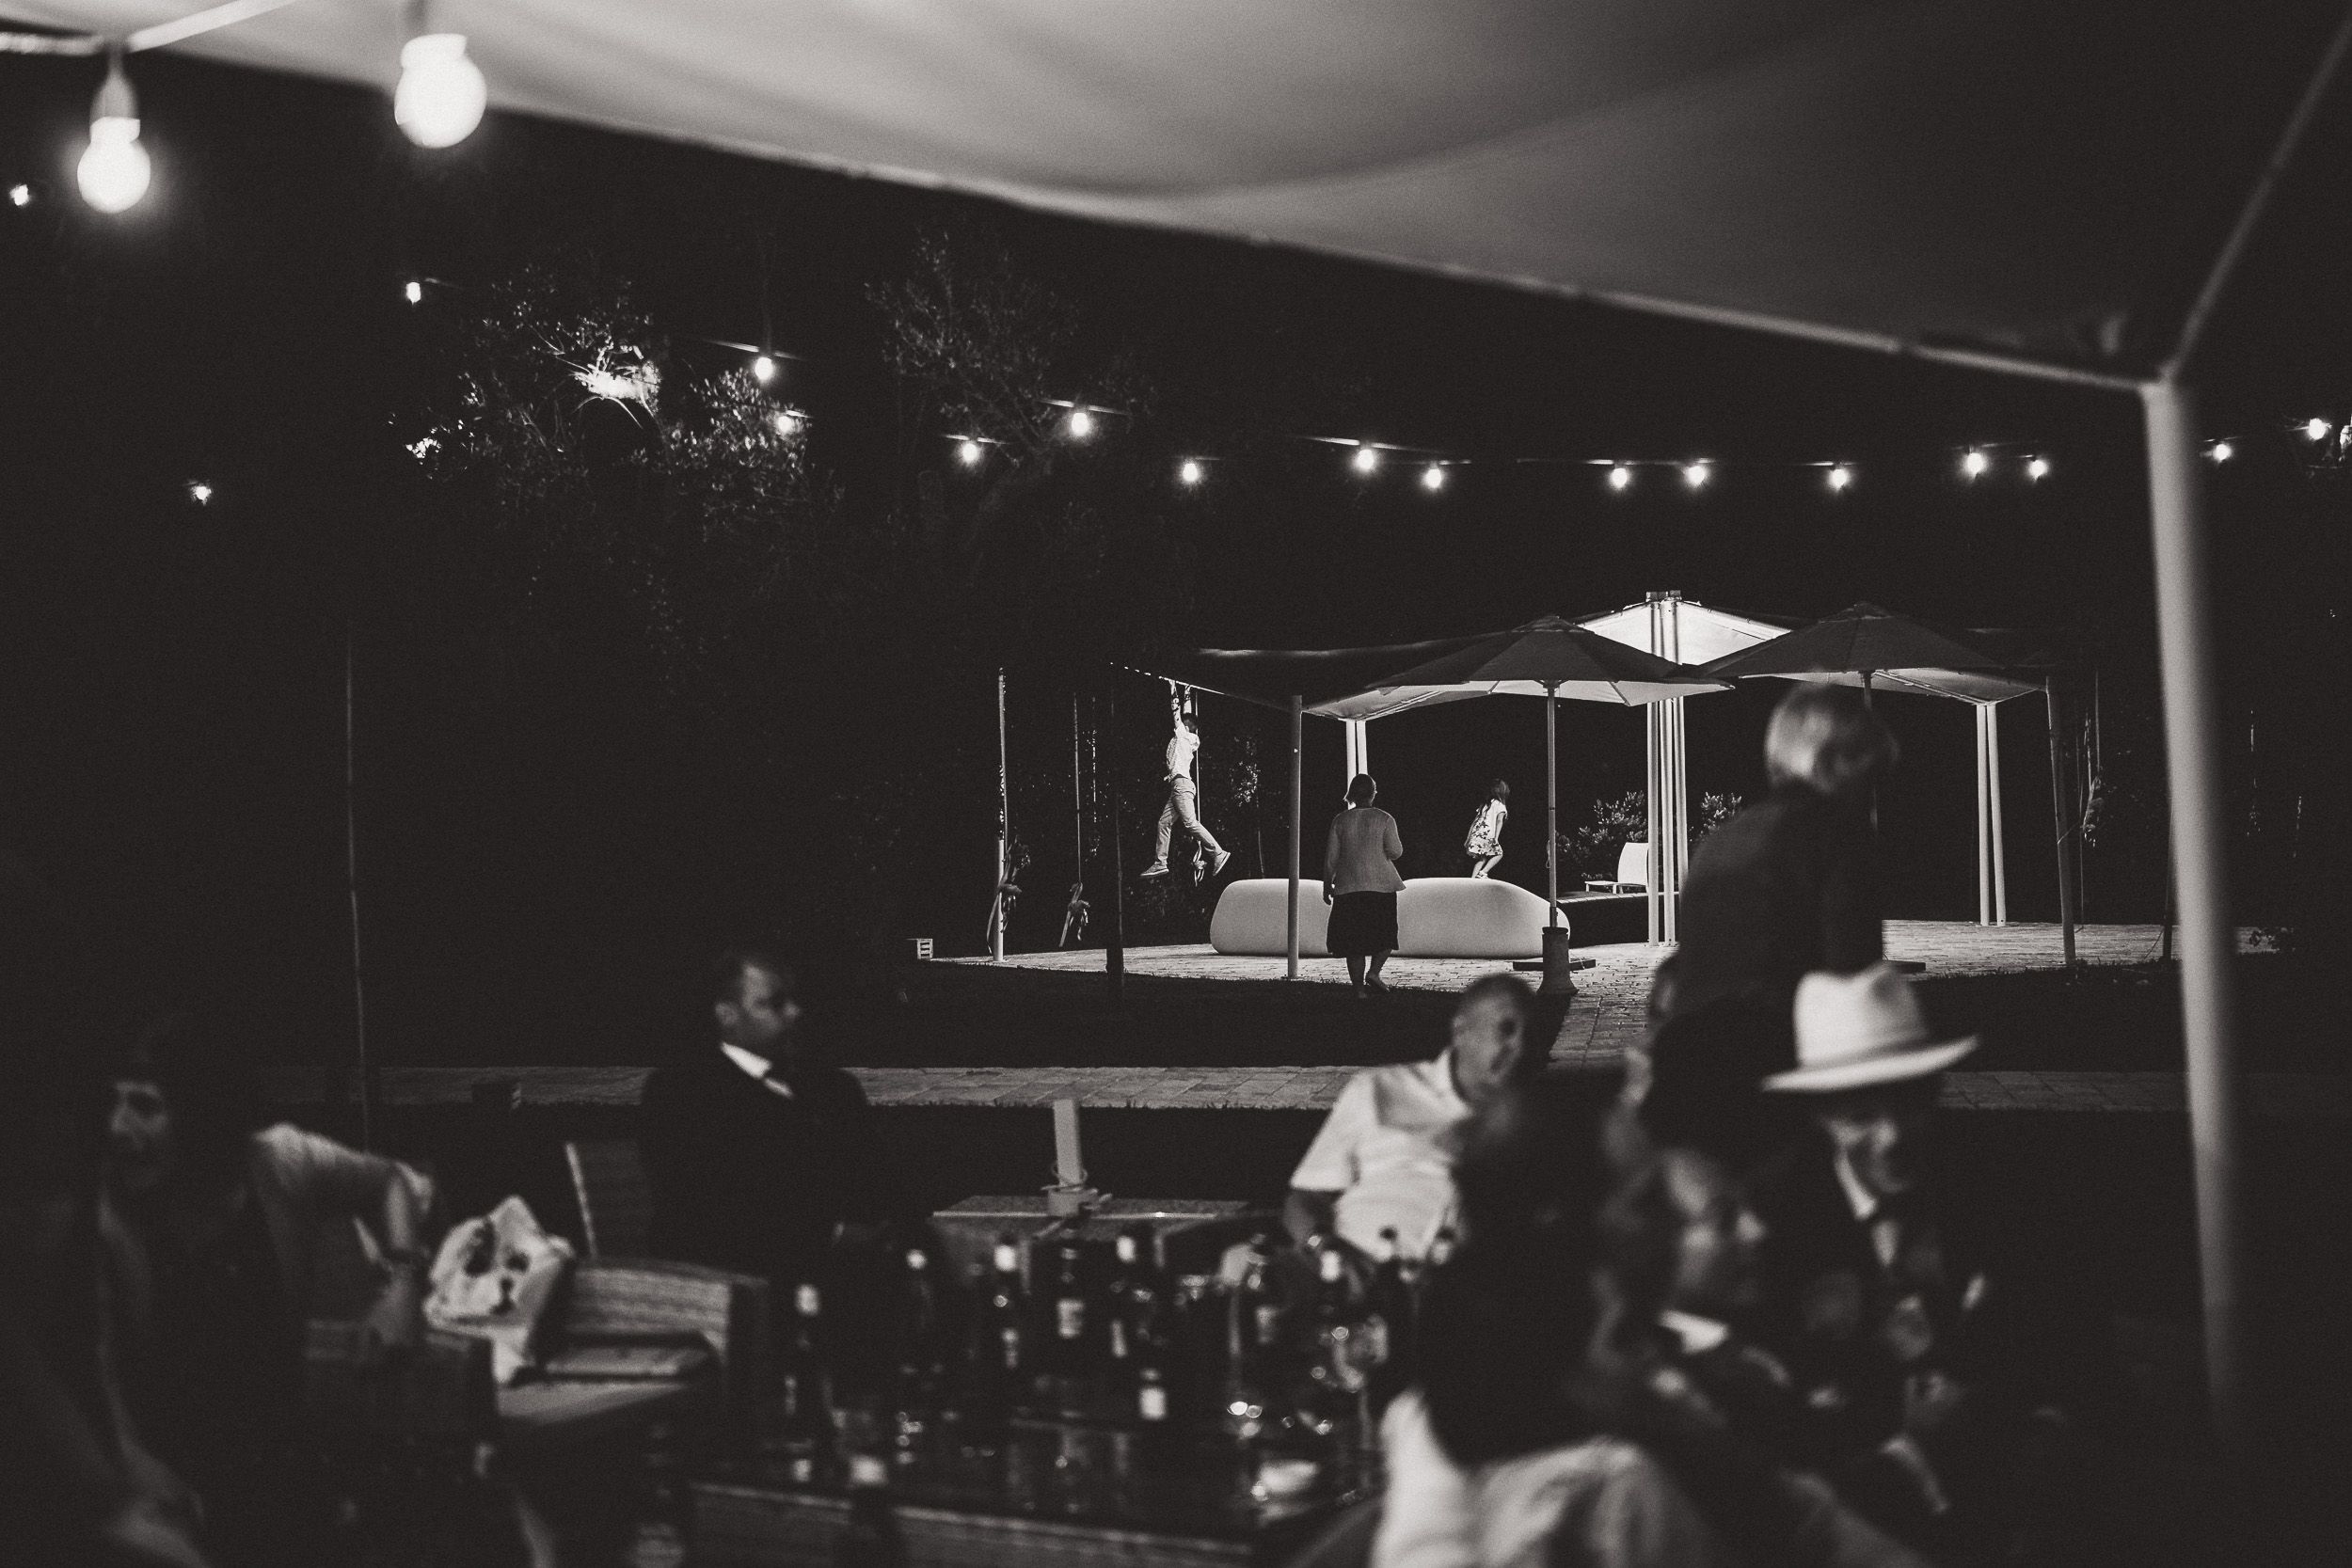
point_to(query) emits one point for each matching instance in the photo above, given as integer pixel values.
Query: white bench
(1437, 917)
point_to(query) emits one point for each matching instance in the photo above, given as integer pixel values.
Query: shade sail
(1550, 656)
(2020, 177)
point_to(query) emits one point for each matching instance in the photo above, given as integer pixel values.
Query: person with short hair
(1484, 843)
(762, 1154)
(1183, 806)
(1360, 883)
(1379, 1174)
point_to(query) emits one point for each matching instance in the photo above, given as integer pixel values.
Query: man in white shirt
(1184, 795)
(1382, 1167)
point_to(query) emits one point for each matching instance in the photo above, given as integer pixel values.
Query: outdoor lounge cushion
(1437, 917)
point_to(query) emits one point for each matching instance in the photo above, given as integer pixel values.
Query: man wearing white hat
(1911, 1352)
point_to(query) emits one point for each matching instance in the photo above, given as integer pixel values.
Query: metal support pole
(1115, 938)
(351, 868)
(1004, 828)
(1678, 820)
(1993, 776)
(1298, 723)
(1653, 772)
(2061, 825)
(2192, 728)
(1551, 803)
(1984, 819)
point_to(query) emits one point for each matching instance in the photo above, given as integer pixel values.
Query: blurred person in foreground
(1789, 886)
(1379, 1175)
(1949, 1388)
(1552, 1426)
(78, 1483)
(222, 1212)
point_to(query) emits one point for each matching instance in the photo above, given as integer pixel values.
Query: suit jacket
(1787, 887)
(746, 1179)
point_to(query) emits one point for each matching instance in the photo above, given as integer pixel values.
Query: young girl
(1484, 843)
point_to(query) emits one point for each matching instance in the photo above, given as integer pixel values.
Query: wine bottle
(922, 1362)
(871, 1539)
(1070, 1355)
(804, 1426)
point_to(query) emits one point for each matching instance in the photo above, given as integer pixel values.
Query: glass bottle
(922, 1362)
(871, 1539)
(804, 1387)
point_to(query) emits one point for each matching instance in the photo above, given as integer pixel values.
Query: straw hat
(1854, 1031)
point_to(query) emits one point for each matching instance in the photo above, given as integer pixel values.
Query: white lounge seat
(1437, 917)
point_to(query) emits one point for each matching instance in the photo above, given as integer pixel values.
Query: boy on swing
(1184, 795)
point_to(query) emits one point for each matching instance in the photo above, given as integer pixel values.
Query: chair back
(615, 1198)
(650, 1298)
(1634, 864)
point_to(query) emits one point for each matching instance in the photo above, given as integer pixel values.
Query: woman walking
(1484, 843)
(1360, 883)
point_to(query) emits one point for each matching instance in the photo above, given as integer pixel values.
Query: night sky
(549, 834)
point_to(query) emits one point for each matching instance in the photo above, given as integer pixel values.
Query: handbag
(493, 1279)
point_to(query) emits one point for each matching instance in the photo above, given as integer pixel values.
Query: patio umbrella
(1550, 659)
(1673, 627)
(1878, 649)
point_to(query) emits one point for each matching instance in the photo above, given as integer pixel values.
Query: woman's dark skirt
(1362, 924)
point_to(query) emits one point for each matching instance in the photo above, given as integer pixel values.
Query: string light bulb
(413, 291)
(970, 452)
(1840, 476)
(20, 196)
(199, 492)
(2221, 451)
(1620, 477)
(763, 370)
(1189, 471)
(2038, 468)
(114, 169)
(1367, 458)
(1432, 477)
(1081, 423)
(1694, 474)
(1975, 463)
(441, 93)
(787, 421)
(2316, 429)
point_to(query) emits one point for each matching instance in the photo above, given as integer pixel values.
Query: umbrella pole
(1298, 803)
(1654, 766)
(2192, 725)
(2058, 817)
(1551, 803)
(1873, 707)
(1003, 830)
(1984, 821)
(1114, 939)
(1678, 806)
(1993, 781)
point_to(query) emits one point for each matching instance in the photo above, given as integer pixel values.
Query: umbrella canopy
(1865, 644)
(1549, 657)
(2005, 175)
(1699, 633)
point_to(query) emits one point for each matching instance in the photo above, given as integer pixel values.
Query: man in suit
(1944, 1398)
(764, 1159)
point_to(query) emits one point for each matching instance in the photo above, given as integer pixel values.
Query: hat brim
(1894, 1068)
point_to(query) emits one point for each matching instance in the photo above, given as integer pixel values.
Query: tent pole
(2207, 943)
(1551, 803)
(1984, 821)
(1297, 804)
(1993, 781)
(2058, 817)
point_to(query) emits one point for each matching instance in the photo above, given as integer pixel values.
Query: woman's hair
(1508, 1320)
(1498, 790)
(210, 1089)
(1360, 789)
(1826, 739)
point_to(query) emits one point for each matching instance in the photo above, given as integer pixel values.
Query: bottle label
(1070, 1316)
(1151, 1403)
(802, 1469)
(1012, 1336)
(1119, 1339)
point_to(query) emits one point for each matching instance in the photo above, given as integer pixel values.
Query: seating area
(1437, 917)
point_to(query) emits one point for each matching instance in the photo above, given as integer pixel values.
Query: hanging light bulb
(763, 370)
(1620, 477)
(1189, 471)
(2316, 429)
(787, 421)
(113, 173)
(413, 292)
(970, 452)
(1840, 477)
(2037, 467)
(1432, 477)
(1367, 458)
(1694, 474)
(2221, 451)
(20, 196)
(1081, 423)
(441, 93)
(1975, 463)
(199, 492)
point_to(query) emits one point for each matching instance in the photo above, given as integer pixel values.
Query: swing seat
(1437, 917)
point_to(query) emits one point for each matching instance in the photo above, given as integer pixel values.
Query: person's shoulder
(694, 1078)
